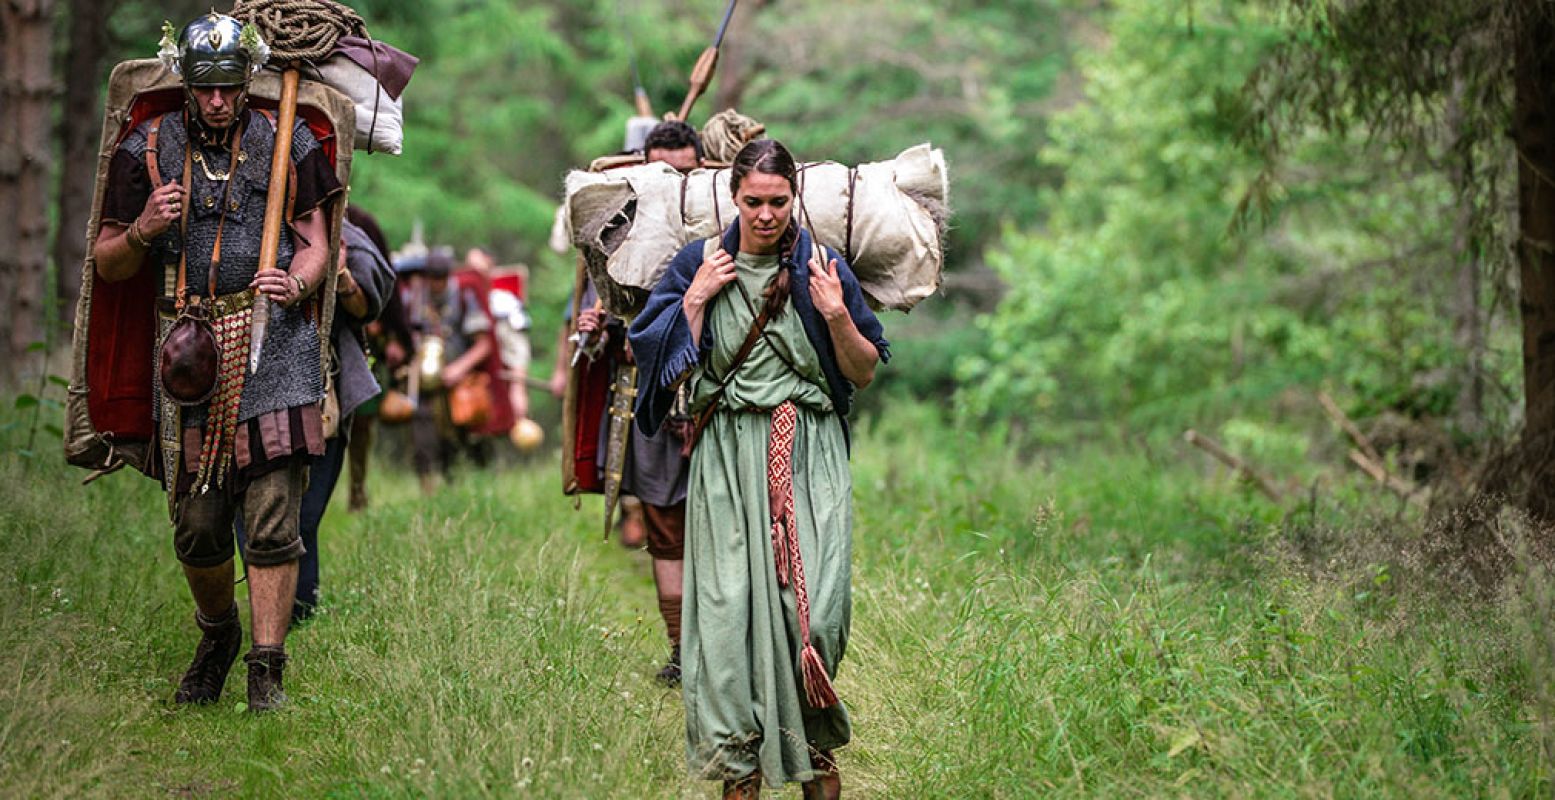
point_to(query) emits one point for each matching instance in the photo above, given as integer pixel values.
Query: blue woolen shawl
(661, 337)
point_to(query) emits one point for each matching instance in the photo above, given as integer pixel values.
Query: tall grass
(1098, 622)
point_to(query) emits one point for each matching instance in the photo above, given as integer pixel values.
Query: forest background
(1127, 253)
(1169, 216)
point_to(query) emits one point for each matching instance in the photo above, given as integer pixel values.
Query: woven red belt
(785, 548)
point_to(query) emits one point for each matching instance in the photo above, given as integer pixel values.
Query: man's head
(440, 263)
(217, 55)
(478, 259)
(676, 144)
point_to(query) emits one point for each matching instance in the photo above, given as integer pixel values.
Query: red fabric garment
(122, 328)
(502, 418)
(260, 445)
(593, 398)
(510, 280)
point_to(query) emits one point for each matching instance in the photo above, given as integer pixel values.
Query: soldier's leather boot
(669, 676)
(265, 665)
(827, 784)
(746, 788)
(207, 674)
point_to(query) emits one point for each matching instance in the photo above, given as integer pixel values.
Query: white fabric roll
(630, 222)
(387, 126)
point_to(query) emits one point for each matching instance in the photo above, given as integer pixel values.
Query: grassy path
(1101, 627)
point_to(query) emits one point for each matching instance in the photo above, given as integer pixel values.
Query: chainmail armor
(289, 374)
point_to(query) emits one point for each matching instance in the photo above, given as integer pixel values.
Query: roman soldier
(239, 378)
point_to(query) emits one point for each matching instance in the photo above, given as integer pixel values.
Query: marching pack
(110, 404)
(887, 219)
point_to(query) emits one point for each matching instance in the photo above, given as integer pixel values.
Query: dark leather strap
(183, 224)
(847, 247)
(372, 128)
(183, 230)
(226, 197)
(684, 180)
(758, 326)
(153, 169)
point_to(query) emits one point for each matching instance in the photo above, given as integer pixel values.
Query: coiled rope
(728, 131)
(301, 30)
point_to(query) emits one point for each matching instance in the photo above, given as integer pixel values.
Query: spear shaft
(707, 65)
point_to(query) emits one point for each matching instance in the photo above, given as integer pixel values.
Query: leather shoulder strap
(153, 169)
(758, 327)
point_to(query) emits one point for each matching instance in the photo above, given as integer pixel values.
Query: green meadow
(1112, 620)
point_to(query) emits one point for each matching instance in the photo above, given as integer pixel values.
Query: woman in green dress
(775, 336)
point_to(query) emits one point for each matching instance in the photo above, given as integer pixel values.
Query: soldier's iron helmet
(217, 50)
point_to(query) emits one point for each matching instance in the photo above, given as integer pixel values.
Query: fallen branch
(1380, 474)
(1344, 422)
(1212, 447)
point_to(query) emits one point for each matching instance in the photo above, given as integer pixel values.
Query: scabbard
(623, 396)
(170, 423)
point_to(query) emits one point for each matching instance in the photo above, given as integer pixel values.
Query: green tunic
(745, 706)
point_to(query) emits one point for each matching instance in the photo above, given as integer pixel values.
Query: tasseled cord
(785, 550)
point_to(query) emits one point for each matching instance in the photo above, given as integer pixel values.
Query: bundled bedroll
(887, 218)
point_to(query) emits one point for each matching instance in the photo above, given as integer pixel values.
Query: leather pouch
(396, 407)
(469, 403)
(190, 358)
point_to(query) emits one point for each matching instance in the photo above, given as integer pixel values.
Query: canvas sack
(380, 118)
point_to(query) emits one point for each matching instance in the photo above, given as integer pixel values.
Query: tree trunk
(1534, 134)
(1468, 323)
(26, 92)
(734, 62)
(83, 80)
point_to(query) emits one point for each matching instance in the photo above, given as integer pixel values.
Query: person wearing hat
(450, 330)
(185, 196)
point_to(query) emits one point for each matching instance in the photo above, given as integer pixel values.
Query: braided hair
(770, 157)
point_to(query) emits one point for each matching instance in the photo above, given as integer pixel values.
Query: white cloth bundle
(630, 222)
(386, 127)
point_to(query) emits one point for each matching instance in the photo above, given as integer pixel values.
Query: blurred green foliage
(508, 98)
(1143, 298)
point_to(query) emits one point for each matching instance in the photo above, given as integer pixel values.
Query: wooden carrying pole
(701, 78)
(275, 201)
